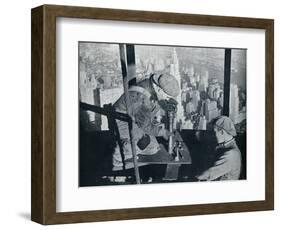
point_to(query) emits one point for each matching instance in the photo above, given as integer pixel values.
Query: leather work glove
(143, 142)
(169, 105)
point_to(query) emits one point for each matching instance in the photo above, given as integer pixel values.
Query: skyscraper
(197, 77)
(234, 113)
(202, 123)
(187, 124)
(220, 100)
(234, 103)
(211, 110)
(203, 83)
(214, 89)
(190, 107)
(190, 71)
(195, 98)
(174, 70)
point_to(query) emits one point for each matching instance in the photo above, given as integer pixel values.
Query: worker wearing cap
(147, 112)
(228, 163)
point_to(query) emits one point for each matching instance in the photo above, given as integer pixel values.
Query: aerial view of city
(159, 114)
(199, 71)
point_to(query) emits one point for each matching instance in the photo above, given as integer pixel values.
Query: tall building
(150, 68)
(197, 77)
(159, 65)
(86, 94)
(214, 89)
(211, 90)
(195, 98)
(202, 123)
(234, 102)
(206, 76)
(217, 93)
(190, 71)
(203, 82)
(234, 113)
(174, 70)
(190, 107)
(211, 110)
(187, 124)
(220, 100)
(192, 81)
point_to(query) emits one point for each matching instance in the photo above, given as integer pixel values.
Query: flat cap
(226, 124)
(169, 84)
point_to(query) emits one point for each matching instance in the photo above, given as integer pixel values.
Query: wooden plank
(269, 113)
(37, 190)
(157, 17)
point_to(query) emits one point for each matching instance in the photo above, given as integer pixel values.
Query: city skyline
(199, 72)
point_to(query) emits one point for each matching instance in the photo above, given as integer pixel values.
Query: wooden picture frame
(43, 207)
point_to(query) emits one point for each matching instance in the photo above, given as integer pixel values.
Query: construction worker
(228, 163)
(147, 113)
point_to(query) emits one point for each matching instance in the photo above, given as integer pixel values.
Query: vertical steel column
(131, 63)
(98, 119)
(227, 73)
(127, 98)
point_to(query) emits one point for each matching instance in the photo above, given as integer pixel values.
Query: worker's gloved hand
(169, 105)
(143, 142)
(165, 133)
(172, 102)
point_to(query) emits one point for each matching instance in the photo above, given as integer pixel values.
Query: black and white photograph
(145, 114)
(160, 114)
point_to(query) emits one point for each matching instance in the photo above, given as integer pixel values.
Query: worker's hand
(165, 133)
(168, 105)
(204, 176)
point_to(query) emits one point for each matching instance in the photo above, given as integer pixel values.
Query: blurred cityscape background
(200, 72)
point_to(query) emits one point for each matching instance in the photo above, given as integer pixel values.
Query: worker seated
(146, 111)
(228, 156)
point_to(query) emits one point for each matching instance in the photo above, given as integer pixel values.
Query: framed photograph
(139, 114)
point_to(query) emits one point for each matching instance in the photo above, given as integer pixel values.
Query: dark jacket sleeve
(225, 164)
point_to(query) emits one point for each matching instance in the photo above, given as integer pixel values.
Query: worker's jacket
(145, 111)
(228, 164)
